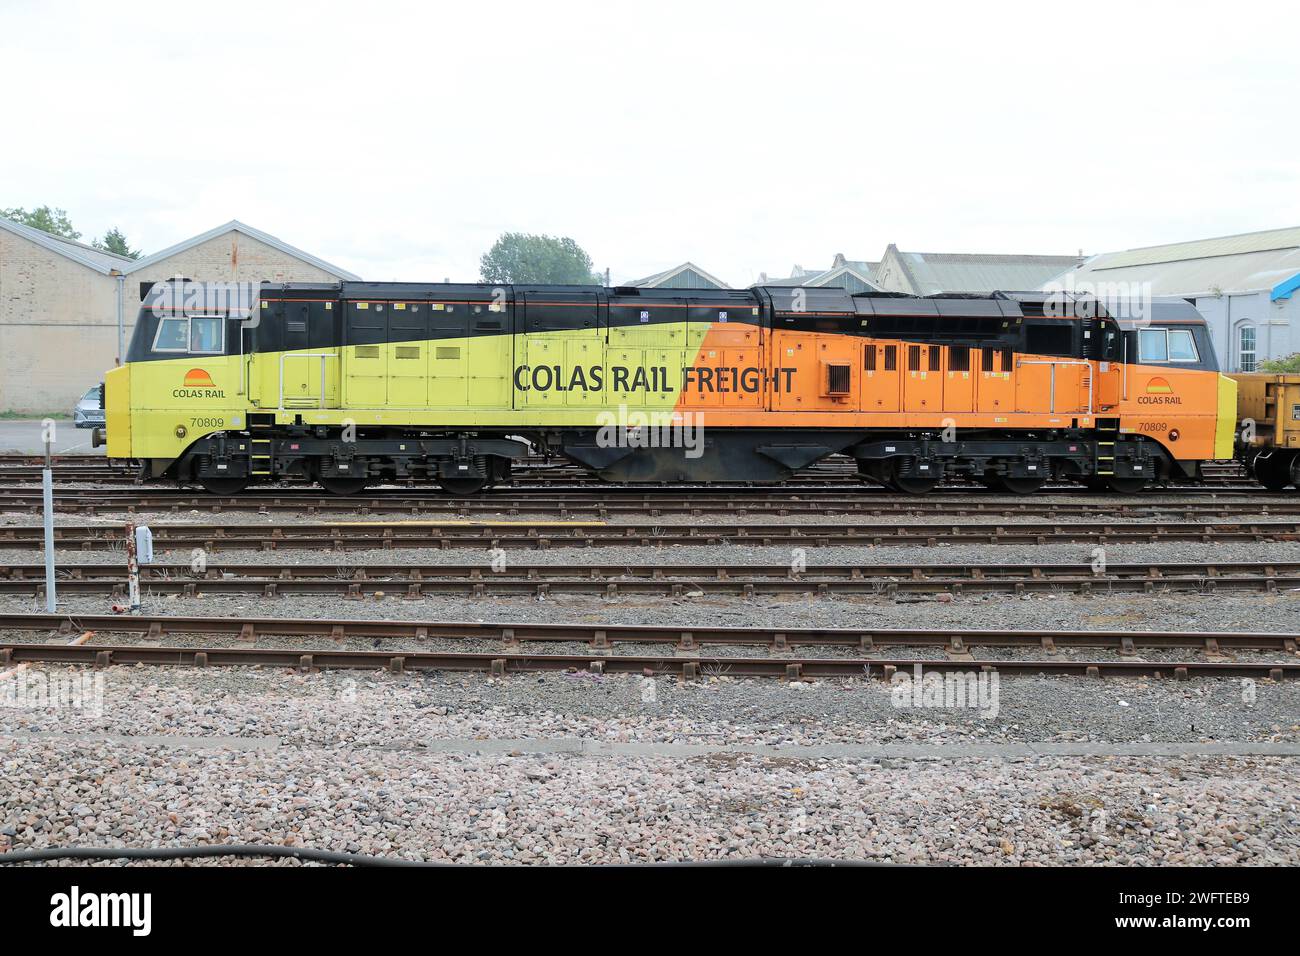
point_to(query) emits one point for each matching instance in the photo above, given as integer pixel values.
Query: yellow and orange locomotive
(354, 383)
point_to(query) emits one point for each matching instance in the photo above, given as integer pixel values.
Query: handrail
(320, 355)
(1052, 378)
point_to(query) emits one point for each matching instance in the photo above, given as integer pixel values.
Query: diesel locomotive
(348, 384)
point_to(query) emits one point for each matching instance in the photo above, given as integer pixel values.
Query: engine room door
(408, 358)
(880, 379)
(564, 351)
(309, 371)
(365, 356)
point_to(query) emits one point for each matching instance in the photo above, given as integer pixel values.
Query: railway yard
(558, 671)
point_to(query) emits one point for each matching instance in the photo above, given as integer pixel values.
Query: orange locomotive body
(1011, 389)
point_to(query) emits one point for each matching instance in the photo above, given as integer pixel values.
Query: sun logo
(198, 378)
(1158, 386)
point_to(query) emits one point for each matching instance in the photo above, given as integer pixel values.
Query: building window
(1246, 348)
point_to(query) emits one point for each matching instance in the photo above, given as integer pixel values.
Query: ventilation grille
(367, 351)
(448, 352)
(839, 379)
(408, 351)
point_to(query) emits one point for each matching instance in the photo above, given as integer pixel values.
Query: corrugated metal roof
(97, 259)
(1243, 272)
(1271, 240)
(933, 272)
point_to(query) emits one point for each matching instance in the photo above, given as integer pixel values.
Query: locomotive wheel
(223, 486)
(1273, 472)
(463, 486)
(914, 484)
(342, 485)
(1126, 486)
(1020, 486)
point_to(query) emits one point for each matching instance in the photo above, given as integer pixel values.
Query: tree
(524, 257)
(53, 221)
(1289, 364)
(115, 242)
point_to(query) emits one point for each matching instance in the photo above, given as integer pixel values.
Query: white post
(47, 492)
(132, 572)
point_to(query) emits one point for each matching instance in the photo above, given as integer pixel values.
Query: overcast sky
(398, 141)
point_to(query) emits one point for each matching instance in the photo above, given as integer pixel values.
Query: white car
(89, 411)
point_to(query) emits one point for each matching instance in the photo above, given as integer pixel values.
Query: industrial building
(929, 273)
(855, 275)
(1245, 286)
(65, 307)
(685, 276)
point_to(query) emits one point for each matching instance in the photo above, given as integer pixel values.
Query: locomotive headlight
(1173, 434)
(181, 431)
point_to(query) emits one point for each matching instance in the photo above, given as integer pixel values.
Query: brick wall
(58, 327)
(58, 319)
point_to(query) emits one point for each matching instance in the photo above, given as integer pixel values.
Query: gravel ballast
(346, 762)
(587, 768)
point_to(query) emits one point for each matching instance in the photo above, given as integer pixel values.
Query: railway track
(339, 536)
(539, 472)
(686, 644)
(413, 582)
(819, 500)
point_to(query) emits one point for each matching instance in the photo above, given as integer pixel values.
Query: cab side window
(1167, 345)
(1153, 345)
(205, 335)
(1182, 347)
(196, 335)
(173, 336)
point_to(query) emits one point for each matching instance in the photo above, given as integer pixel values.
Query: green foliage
(53, 221)
(523, 257)
(1290, 363)
(9, 415)
(115, 242)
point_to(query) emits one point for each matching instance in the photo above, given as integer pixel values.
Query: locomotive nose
(1225, 424)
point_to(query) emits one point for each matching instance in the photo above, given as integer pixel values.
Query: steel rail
(248, 628)
(500, 664)
(414, 582)
(628, 501)
(515, 535)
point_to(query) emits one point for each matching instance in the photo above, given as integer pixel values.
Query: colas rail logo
(198, 384)
(1159, 392)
